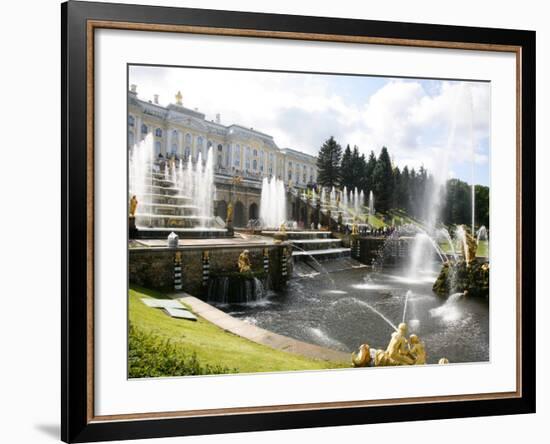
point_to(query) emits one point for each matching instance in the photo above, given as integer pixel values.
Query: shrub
(150, 355)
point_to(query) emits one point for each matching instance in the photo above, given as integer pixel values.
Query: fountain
(481, 234)
(356, 201)
(171, 196)
(273, 203)
(371, 204)
(345, 198)
(469, 274)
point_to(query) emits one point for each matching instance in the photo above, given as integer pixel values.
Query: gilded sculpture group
(400, 351)
(244, 262)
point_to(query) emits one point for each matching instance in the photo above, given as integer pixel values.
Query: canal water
(347, 308)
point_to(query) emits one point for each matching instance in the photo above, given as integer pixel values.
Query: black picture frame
(76, 423)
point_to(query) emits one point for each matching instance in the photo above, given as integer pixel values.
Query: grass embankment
(482, 248)
(164, 346)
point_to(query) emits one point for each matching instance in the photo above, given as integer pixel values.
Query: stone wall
(395, 252)
(154, 268)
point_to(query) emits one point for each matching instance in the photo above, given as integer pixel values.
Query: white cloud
(431, 130)
(435, 129)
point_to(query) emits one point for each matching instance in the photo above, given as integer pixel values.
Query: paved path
(261, 336)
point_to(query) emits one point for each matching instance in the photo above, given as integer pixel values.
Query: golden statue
(397, 352)
(400, 351)
(229, 218)
(244, 262)
(179, 99)
(471, 246)
(282, 228)
(355, 228)
(417, 350)
(362, 359)
(178, 257)
(133, 206)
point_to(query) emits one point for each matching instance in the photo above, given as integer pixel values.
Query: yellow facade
(184, 133)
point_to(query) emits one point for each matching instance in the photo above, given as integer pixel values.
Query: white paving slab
(180, 313)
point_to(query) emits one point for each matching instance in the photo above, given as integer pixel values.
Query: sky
(440, 124)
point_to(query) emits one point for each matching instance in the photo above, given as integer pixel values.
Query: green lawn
(376, 221)
(212, 346)
(482, 248)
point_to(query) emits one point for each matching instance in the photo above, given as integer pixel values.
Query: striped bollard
(205, 268)
(266, 260)
(284, 265)
(177, 272)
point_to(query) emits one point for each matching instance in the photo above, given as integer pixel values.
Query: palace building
(242, 156)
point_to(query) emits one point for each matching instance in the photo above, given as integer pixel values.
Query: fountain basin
(458, 277)
(237, 288)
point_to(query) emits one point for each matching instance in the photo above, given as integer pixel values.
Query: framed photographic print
(275, 221)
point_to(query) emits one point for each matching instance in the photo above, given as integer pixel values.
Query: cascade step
(305, 234)
(316, 244)
(328, 253)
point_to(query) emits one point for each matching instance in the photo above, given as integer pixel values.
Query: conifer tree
(369, 173)
(347, 169)
(329, 163)
(383, 181)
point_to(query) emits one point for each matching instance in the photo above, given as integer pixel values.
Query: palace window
(220, 148)
(237, 155)
(247, 158)
(255, 153)
(255, 165)
(157, 148)
(187, 152)
(174, 149)
(188, 139)
(158, 132)
(144, 129)
(130, 139)
(131, 121)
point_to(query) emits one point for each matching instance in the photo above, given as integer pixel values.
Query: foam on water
(450, 311)
(325, 339)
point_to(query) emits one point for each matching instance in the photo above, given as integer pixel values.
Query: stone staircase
(316, 252)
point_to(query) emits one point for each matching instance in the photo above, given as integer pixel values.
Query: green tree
(346, 168)
(457, 208)
(404, 189)
(383, 181)
(358, 167)
(397, 188)
(482, 205)
(368, 180)
(328, 163)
